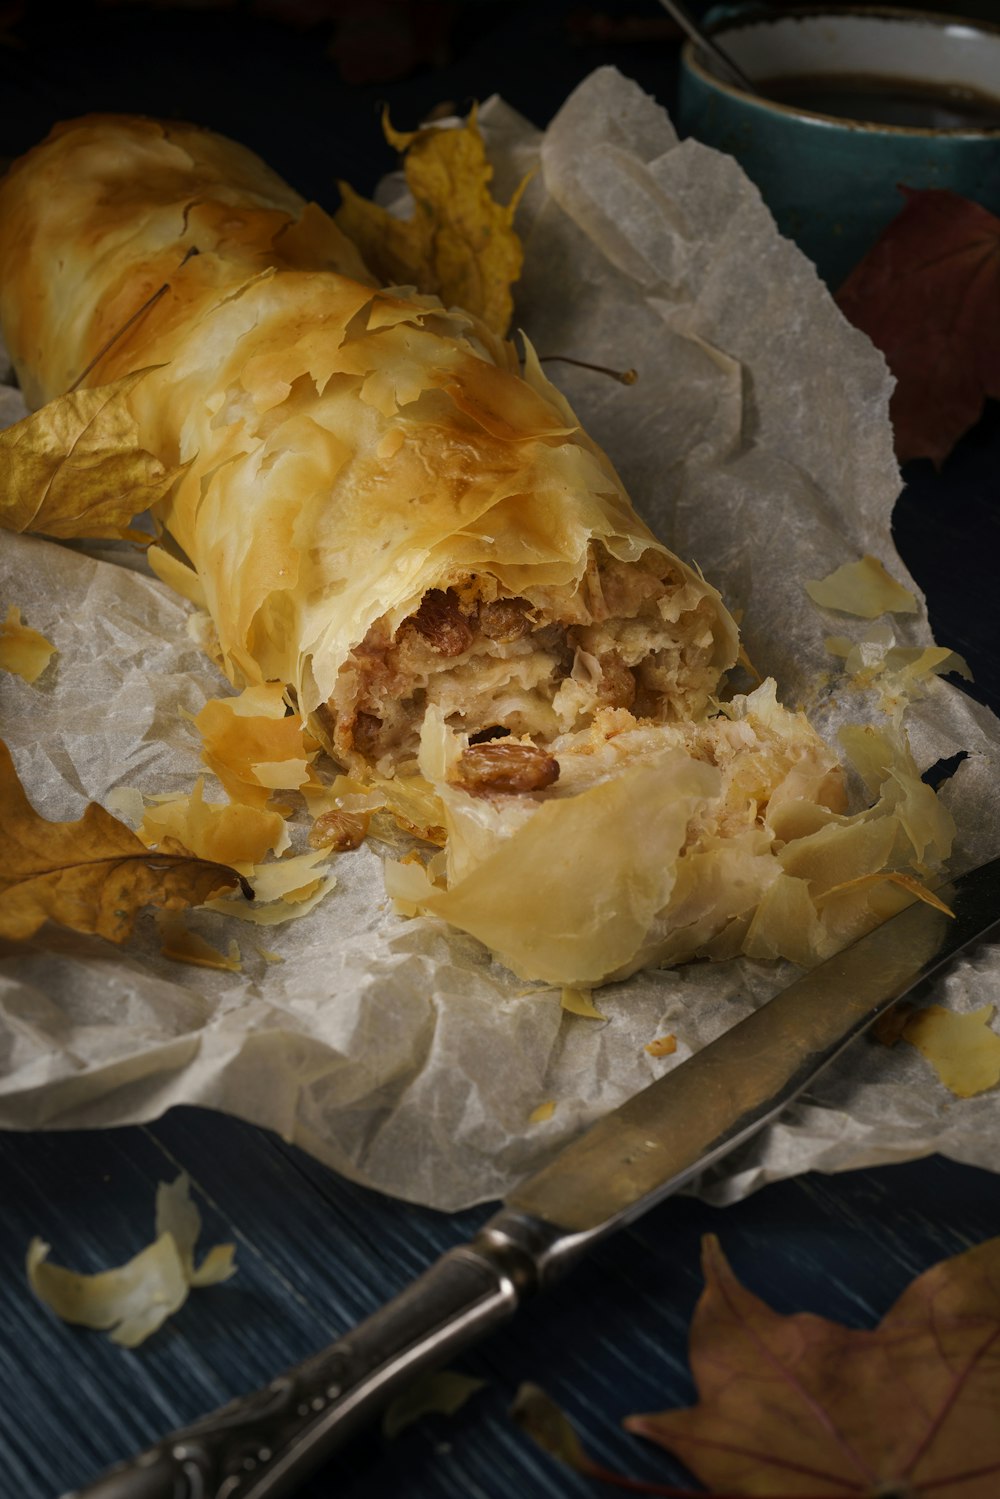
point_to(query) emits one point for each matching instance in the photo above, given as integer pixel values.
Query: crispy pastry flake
(23, 651)
(132, 1301)
(961, 1046)
(864, 588)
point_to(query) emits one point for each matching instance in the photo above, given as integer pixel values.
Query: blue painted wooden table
(315, 1253)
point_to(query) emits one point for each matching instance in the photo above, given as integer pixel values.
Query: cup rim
(689, 59)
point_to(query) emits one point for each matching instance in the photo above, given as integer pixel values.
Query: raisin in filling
(500, 666)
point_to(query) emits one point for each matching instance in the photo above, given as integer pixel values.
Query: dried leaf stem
(139, 312)
(149, 302)
(624, 377)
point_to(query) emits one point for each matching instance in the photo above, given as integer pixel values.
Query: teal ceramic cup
(832, 183)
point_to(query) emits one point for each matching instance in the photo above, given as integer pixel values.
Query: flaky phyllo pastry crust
(385, 512)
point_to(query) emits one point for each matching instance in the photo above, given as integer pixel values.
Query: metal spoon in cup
(721, 58)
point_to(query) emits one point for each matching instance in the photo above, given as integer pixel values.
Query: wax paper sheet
(757, 443)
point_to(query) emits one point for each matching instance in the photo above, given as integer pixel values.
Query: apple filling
(635, 636)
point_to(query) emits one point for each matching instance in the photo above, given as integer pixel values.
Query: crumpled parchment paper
(756, 443)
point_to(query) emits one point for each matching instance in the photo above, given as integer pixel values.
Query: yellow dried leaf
(228, 833)
(663, 1046)
(74, 468)
(863, 588)
(460, 243)
(22, 650)
(579, 1002)
(93, 875)
(961, 1047)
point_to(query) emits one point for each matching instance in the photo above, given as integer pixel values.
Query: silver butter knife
(262, 1445)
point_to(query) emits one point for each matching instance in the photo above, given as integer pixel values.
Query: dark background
(303, 82)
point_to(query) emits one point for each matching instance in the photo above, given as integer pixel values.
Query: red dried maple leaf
(928, 295)
(802, 1406)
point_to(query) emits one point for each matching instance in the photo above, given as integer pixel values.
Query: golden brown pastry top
(343, 452)
(344, 448)
(110, 208)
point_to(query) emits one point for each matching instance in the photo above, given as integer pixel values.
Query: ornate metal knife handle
(261, 1445)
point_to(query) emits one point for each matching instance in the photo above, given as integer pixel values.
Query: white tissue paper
(757, 444)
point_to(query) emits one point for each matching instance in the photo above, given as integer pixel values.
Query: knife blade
(262, 1445)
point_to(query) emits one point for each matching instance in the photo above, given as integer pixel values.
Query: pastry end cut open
(392, 514)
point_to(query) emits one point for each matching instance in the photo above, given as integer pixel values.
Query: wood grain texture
(316, 1253)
